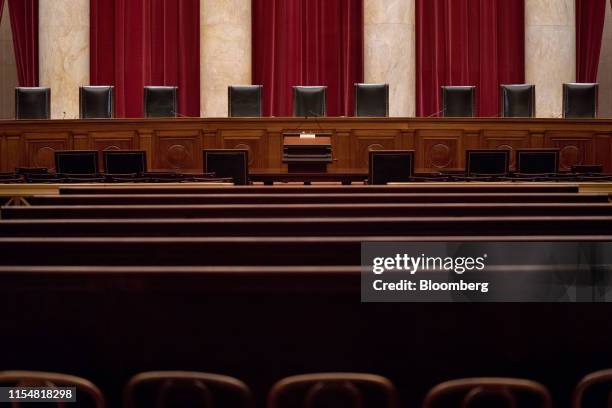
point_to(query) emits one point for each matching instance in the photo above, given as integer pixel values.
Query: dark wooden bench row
(133, 199)
(214, 251)
(324, 226)
(301, 210)
(297, 189)
(108, 326)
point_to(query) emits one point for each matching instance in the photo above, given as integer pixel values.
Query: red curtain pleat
(307, 42)
(468, 42)
(1, 8)
(24, 26)
(135, 43)
(590, 16)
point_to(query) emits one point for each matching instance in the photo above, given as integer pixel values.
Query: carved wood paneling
(252, 140)
(40, 148)
(177, 150)
(363, 141)
(438, 150)
(176, 144)
(574, 148)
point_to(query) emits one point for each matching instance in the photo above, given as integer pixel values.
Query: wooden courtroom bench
(300, 189)
(215, 251)
(301, 210)
(133, 199)
(262, 324)
(310, 226)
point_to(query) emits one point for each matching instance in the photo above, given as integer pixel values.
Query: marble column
(389, 51)
(550, 51)
(225, 52)
(64, 53)
(604, 71)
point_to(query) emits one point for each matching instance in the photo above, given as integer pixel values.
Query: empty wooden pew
(216, 251)
(359, 198)
(301, 210)
(323, 189)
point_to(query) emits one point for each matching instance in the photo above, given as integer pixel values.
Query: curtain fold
(590, 16)
(307, 42)
(1, 8)
(135, 43)
(468, 42)
(24, 26)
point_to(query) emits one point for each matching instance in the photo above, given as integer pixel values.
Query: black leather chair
(580, 100)
(372, 100)
(244, 101)
(32, 103)
(160, 101)
(309, 101)
(96, 102)
(458, 101)
(517, 101)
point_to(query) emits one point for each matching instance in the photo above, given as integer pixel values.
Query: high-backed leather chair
(500, 392)
(32, 102)
(244, 101)
(186, 388)
(45, 379)
(580, 100)
(459, 101)
(96, 102)
(309, 100)
(517, 101)
(372, 100)
(346, 390)
(160, 101)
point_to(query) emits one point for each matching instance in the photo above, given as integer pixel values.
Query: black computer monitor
(390, 166)
(76, 162)
(232, 163)
(537, 161)
(487, 162)
(125, 161)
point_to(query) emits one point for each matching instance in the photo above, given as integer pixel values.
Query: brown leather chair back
(354, 390)
(471, 390)
(45, 379)
(191, 388)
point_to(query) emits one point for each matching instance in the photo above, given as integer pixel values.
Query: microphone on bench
(436, 113)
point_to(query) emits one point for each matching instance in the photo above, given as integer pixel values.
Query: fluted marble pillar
(389, 56)
(550, 51)
(225, 52)
(64, 53)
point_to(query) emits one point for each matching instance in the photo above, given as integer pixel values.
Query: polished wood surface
(176, 144)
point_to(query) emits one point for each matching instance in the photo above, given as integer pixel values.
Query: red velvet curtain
(307, 42)
(590, 16)
(24, 26)
(468, 42)
(135, 43)
(1, 8)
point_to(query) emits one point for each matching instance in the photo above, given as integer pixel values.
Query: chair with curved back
(473, 390)
(589, 384)
(354, 390)
(46, 379)
(189, 387)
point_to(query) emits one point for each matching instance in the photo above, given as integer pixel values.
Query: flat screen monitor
(487, 162)
(125, 161)
(537, 161)
(76, 162)
(390, 166)
(232, 163)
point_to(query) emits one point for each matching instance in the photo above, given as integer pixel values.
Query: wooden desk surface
(176, 143)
